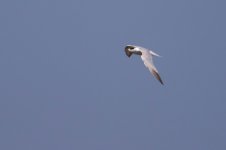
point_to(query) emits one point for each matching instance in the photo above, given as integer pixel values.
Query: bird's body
(146, 56)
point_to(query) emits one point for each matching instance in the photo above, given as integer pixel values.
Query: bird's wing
(157, 76)
(154, 54)
(148, 62)
(148, 51)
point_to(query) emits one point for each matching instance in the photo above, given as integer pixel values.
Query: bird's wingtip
(157, 76)
(154, 54)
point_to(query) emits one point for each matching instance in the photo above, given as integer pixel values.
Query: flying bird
(146, 56)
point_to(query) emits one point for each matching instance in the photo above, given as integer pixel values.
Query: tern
(146, 56)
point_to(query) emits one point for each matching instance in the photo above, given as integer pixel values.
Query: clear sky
(66, 83)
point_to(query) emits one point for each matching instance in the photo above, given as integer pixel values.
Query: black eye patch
(129, 47)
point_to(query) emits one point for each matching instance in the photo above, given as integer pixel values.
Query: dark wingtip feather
(157, 76)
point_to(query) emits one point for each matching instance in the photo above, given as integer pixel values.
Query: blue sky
(66, 83)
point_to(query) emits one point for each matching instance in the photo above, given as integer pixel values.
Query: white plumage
(146, 56)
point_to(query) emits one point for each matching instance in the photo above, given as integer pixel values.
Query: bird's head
(130, 49)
